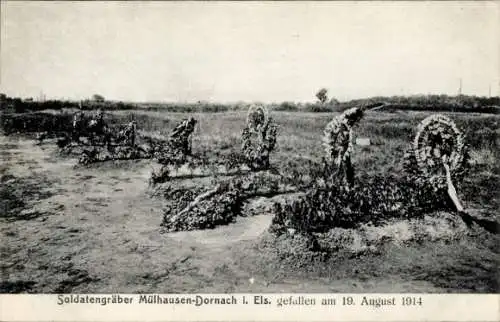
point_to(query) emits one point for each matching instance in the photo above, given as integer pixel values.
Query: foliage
(329, 203)
(301, 149)
(335, 102)
(173, 152)
(438, 141)
(286, 106)
(35, 122)
(172, 162)
(318, 108)
(177, 146)
(461, 103)
(74, 130)
(322, 95)
(199, 208)
(62, 125)
(220, 209)
(337, 140)
(372, 199)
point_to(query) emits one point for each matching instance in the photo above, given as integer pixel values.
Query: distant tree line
(460, 103)
(19, 105)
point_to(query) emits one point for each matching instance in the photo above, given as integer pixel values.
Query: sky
(248, 51)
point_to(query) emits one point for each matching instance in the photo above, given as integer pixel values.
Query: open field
(97, 228)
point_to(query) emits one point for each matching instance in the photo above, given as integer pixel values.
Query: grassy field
(300, 134)
(96, 229)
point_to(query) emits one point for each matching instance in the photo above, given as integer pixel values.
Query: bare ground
(78, 229)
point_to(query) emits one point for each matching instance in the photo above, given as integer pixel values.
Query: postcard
(249, 161)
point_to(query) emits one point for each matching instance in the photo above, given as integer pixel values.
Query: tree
(322, 95)
(98, 98)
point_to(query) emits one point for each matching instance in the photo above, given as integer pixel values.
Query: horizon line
(72, 99)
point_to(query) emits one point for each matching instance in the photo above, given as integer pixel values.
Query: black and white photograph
(170, 147)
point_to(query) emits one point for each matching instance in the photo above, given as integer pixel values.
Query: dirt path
(97, 230)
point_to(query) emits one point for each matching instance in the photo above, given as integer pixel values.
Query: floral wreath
(333, 128)
(438, 142)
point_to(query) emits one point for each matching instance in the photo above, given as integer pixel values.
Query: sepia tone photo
(249, 147)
